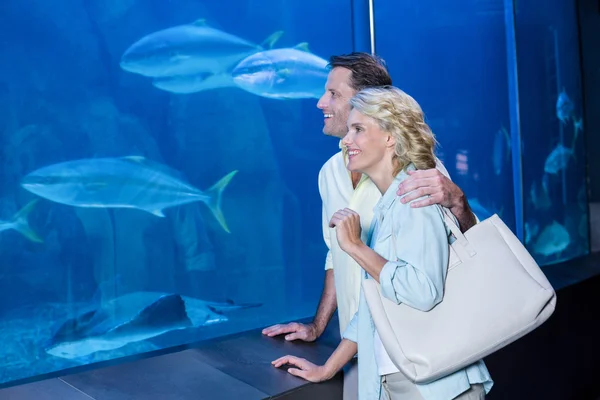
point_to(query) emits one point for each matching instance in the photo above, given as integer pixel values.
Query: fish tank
(159, 161)
(506, 106)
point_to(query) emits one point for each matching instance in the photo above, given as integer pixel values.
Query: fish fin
(302, 46)
(283, 74)
(200, 22)
(167, 310)
(270, 41)
(215, 193)
(158, 213)
(73, 327)
(21, 223)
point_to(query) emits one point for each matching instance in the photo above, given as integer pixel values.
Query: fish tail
(21, 223)
(215, 193)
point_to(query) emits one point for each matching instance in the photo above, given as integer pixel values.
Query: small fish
(538, 195)
(288, 73)
(186, 84)
(20, 223)
(558, 159)
(189, 49)
(564, 107)
(553, 240)
(531, 230)
(125, 182)
(501, 152)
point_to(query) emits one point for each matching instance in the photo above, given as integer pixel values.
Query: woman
(408, 253)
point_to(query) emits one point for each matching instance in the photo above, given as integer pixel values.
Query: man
(340, 189)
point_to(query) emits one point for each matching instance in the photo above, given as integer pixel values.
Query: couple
(389, 151)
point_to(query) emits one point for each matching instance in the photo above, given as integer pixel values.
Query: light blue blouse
(419, 238)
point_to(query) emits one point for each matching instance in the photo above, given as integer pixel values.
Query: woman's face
(367, 144)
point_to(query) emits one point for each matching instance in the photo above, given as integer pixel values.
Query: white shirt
(335, 188)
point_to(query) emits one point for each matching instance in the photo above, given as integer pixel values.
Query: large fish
(185, 84)
(20, 223)
(189, 49)
(288, 73)
(124, 182)
(131, 318)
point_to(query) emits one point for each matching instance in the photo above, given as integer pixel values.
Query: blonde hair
(400, 115)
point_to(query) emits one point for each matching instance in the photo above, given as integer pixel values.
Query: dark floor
(557, 361)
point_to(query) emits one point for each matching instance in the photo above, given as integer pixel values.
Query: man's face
(335, 103)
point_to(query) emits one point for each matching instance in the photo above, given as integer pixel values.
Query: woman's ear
(390, 141)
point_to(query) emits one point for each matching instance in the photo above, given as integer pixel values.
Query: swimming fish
(189, 49)
(125, 182)
(287, 73)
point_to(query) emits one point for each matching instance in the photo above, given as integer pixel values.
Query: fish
(564, 107)
(131, 318)
(122, 182)
(531, 230)
(538, 195)
(20, 223)
(558, 159)
(186, 84)
(553, 240)
(286, 73)
(501, 150)
(189, 49)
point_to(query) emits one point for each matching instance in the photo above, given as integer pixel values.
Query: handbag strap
(461, 239)
(454, 228)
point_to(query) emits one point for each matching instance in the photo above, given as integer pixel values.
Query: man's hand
(305, 370)
(440, 190)
(432, 182)
(294, 330)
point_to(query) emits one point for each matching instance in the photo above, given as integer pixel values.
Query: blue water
(457, 64)
(91, 238)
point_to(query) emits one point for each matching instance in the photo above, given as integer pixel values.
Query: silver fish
(288, 73)
(188, 49)
(125, 182)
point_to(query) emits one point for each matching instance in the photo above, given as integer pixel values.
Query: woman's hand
(347, 227)
(305, 370)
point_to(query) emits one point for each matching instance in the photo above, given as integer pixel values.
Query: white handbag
(494, 294)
